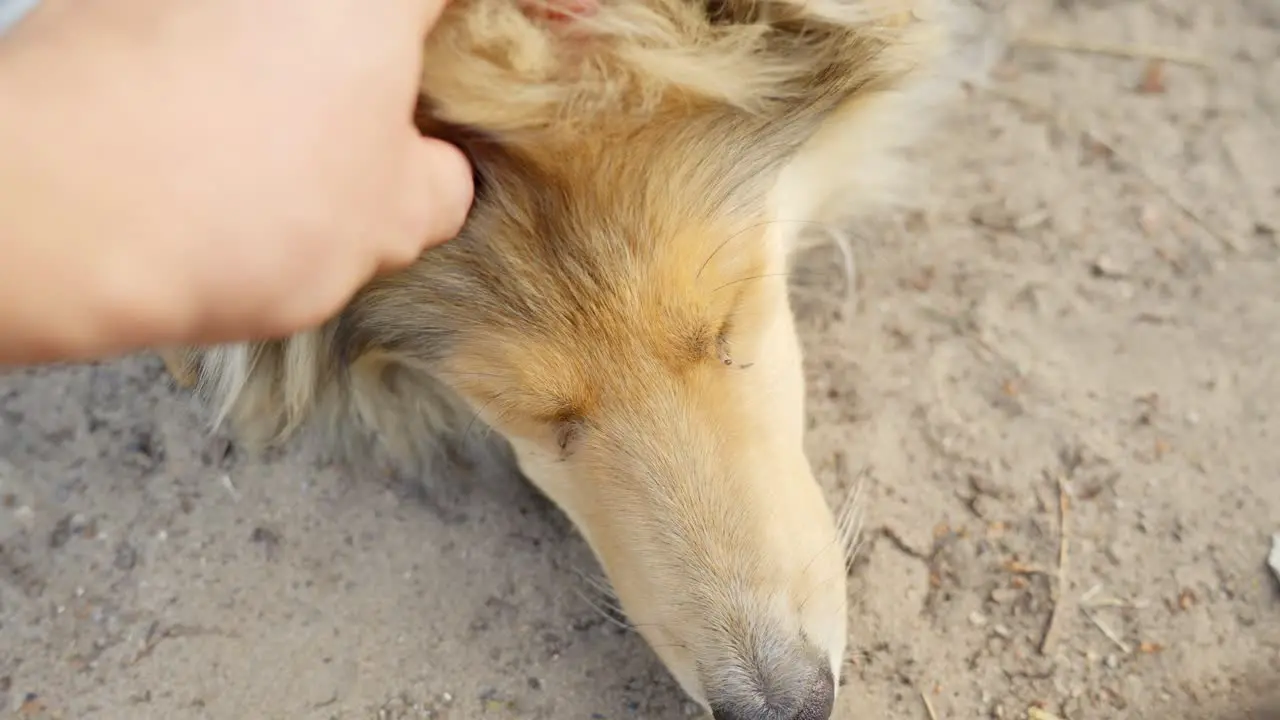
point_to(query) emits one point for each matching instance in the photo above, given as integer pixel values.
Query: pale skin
(210, 170)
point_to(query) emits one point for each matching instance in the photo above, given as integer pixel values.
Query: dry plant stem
(1108, 632)
(1144, 52)
(928, 706)
(230, 487)
(1051, 626)
(1064, 124)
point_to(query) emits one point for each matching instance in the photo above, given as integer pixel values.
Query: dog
(616, 307)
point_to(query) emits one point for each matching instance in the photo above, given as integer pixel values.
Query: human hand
(217, 170)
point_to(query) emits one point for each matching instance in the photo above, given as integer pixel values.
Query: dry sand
(1055, 322)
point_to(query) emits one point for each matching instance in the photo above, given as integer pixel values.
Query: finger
(437, 196)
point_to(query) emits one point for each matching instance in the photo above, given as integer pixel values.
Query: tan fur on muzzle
(616, 307)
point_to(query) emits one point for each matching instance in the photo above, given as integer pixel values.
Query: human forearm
(59, 287)
(173, 173)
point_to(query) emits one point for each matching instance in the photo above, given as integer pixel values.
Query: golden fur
(616, 307)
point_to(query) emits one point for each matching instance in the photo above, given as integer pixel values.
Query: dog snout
(804, 693)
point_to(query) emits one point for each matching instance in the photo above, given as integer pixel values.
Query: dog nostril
(821, 698)
(811, 701)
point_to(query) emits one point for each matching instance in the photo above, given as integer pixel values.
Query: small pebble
(1004, 595)
(126, 557)
(1273, 560)
(1149, 220)
(1106, 267)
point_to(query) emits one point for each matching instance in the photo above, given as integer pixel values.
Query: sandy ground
(1057, 324)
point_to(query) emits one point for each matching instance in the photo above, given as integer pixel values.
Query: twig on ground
(155, 635)
(1087, 597)
(1111, 635)
(230, 487)
(1020, 568)
(1050, 628)
(1137, 52)
(1118, 603)
(1062, 121)
(928, 706)
(1090, 600)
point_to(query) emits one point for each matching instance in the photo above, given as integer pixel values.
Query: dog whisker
(750, 278)
(478, 416)
(852, 520)
(604, 611)
(747, 229)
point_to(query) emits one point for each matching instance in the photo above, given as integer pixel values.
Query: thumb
(427, 12)
(437, 194)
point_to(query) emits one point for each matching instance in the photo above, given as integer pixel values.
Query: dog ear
(558, 11)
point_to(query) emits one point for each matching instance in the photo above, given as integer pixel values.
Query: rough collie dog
(617, 310)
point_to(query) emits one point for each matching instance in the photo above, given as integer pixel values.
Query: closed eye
(568, 428)
(724, 346)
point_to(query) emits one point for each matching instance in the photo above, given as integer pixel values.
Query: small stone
(126, 557)
(993, 215)
(1109, 550)
(1152, 81)
(977, 619)
(1273, 560)
(1106, 267)
(1001, 630)
(1112, 662)
(61, 533)
(1004, 596)
(1149, 220)
(268, 539)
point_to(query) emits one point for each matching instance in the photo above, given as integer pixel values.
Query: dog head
(617, 309)
(616, 306)
(625, 326)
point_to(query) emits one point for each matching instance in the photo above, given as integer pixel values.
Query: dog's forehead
(582, 303)
(573, 235)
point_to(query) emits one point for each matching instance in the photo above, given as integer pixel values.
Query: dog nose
(807, 694)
